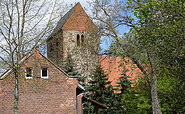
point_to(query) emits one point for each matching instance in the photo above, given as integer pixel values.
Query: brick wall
(78, 21)
(55, 95)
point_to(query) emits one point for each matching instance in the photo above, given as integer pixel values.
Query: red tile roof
(111, 66)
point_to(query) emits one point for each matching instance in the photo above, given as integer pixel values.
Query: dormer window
(44, 72)
(29, 73)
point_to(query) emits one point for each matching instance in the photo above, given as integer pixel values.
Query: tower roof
(75, 19)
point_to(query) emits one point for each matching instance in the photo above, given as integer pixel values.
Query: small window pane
(44, 72)
(28, 72)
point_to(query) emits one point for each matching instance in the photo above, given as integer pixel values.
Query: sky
(82, 2)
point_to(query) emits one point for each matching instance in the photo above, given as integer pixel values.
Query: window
(82, 39)
(29, 72)
(78, 40)
(44, 72)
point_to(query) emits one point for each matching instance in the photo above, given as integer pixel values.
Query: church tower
(75, 34)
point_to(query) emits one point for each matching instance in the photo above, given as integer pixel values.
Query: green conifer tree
(100, 89)
(98, 84)
(123, 83)
(120, 90)
(97, 87)
(70, 68)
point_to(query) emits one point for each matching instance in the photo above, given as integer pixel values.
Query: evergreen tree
(137, 99)
(113, 101)
(100, 89)
(123, 83)
(97, 85)
(70, 68)
(122, 87)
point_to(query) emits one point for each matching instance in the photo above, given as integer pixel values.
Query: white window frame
(44, 77)
(31, 73)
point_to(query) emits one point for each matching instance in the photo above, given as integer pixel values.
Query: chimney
(36, 50)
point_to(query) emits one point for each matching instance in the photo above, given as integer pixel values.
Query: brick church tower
(75, 34)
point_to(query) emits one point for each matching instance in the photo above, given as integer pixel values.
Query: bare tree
(23, 25)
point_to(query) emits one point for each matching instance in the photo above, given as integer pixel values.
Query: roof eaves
(58, 67)
(100, 104)
(5, 74)
(81, 87)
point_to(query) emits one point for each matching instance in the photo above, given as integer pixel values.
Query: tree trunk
(153, 85)
(16, 94)
(155, 103)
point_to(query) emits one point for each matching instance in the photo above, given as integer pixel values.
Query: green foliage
(156, 43)
(161, 29)
(98, 84)
(161, 25)
(137, 99)
(89, 108)
(70, 68)
(123, 83)
(171, 94)
(69, 65)
(100, 89)
(122, 88)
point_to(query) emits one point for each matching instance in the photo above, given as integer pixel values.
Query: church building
(74, 35)
(44, 88)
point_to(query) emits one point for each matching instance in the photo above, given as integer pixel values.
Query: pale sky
(82, 2)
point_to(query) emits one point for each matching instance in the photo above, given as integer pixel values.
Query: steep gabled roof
(23, 59)
(62, 21)
(75, 19)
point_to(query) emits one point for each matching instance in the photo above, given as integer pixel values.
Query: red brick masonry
(55, 95)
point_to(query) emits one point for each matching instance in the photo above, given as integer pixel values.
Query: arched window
(82, 39)
(78, 40)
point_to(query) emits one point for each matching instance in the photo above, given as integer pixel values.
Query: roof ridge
(62, 21)
(29, 54)
(57, 66)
